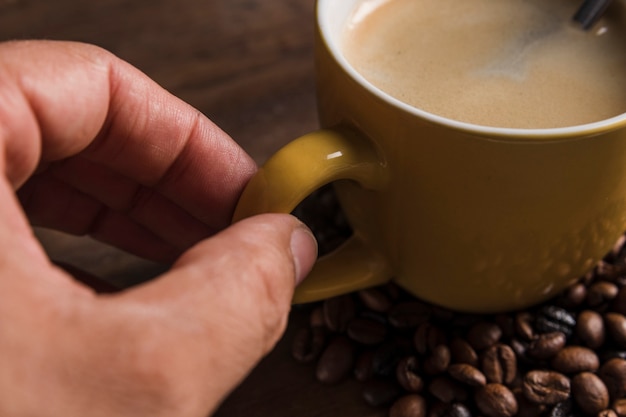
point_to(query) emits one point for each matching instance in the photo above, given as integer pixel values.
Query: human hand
(93, 146)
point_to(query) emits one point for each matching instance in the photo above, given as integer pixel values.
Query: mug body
(473, 218)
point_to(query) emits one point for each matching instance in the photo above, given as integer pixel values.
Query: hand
(93, 146)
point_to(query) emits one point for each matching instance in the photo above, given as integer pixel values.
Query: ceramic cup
(471, 218)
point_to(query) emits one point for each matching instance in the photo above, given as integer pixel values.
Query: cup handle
(294, 172)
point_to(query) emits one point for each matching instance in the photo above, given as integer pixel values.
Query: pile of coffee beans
(564, 358)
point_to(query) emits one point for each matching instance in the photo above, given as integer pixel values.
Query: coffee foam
(521, 65)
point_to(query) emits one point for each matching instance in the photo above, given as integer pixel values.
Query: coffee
(505, 63)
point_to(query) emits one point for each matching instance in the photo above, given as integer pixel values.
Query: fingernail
(304, 251)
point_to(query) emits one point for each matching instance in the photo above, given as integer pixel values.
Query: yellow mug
(472, 218)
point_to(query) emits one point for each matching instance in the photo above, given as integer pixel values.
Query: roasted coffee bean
(463, 352)
(613, 373)
(619, 406)
(363, 367)
(336, 361)
(316, 318)
(555, 319)
(546, 387)
(408, 376)
(601, 293)
(375, 299)
(527, 408)
(546, 345)
(427, 337)
(366, 331)
(506, 323)
(338, 312)
(411, 405)
(619, 303)
(590, 393)
(386, 358)
(590, 328)
(615, 324)
(449, 410)
(524, 325)
(573, 296)
(467, 374)
(377, 392)
(483, 335)
(499, 364)
(308, 344)
(496, 400)
(408, 315)
(447, 390)
(562, 409)
(607, 413)
(574, 359)
(438, 361)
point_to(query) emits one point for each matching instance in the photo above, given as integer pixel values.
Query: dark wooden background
(246, 64)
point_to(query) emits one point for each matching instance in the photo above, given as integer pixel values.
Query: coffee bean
(615, 324)
(527, 408)
(378, 392)
(386, 358)
(463, 352)
(411, 405)
(524, 325)
(407, 374)
(483, 335)
(590, 328)
(546, 387)
(613, 373)
(366, 331)
(573, 296)
(607, 413)
(555, 319)
(619, 406)
(336, 361)
(438, 361)
(590, 393)
(499, 364)
(409, 314)
(574, 359)
(562, 409)
(447, 390)
(467, 374)
(496, 400)
(308, 343)
(619, 302)
(449, 410)
(601, 293)
(316, 318)
(338, 312)
(363, 368)
(546, 345)
(375, 299)
(427, 337)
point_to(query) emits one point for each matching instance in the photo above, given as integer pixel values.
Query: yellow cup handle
(293, 173)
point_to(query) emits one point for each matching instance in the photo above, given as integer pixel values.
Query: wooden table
(247, 64)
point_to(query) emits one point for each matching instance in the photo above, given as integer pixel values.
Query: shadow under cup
(472, 218)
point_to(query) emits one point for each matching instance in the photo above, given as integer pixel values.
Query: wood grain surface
(246, 64)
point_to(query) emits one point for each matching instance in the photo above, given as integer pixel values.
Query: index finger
(64, 98)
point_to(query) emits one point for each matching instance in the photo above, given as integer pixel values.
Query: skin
(90, 145)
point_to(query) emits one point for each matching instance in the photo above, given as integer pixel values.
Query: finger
(233, 293)
(152, 228)
(141, 132)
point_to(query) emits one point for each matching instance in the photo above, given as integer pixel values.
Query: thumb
(233, 293)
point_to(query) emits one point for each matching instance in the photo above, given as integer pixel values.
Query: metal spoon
(590, 12)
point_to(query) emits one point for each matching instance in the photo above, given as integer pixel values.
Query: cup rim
(323, 9)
